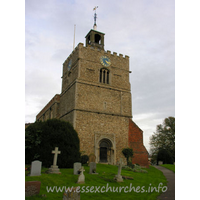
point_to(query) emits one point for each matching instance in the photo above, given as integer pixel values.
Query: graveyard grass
(169, 166)
(105, 175)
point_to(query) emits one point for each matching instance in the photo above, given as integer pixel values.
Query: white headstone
(36, 168)
(118, 177)
(55, 152)
(81, 178)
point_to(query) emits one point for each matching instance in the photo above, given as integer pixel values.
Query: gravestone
(77, 167)
(118, 177)
(92, 158)
(160, 162)
(81, 178)
(32, 188)
(93, 168)
(54, 168)
(71, 194)
(36, 168)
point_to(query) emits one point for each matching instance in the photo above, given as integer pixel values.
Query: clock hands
(107, 62)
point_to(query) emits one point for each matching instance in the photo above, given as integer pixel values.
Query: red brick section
(135, 141)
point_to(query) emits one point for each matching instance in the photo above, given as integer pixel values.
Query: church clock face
(69, 65)
(105, 61)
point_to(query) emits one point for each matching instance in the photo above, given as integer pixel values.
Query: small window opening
(107, 77)
(97, 39)
(100, 76)
(89, 39)
(104, 76)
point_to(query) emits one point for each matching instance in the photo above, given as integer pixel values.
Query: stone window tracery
(104, 76)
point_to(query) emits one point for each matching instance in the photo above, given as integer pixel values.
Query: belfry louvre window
(104, 76)
(97, 39)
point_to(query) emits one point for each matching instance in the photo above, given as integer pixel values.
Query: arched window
(104, 76)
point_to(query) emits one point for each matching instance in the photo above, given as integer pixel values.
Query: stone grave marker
(160, 162)
(77, 167)
(93, 168)
(92, 158)
(81, 178)
(118, 177)
(72, 194)
(54, 168)
(32, 188)
(36, 168)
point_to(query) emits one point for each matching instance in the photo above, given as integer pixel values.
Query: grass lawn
(169, 166)
(106, 173)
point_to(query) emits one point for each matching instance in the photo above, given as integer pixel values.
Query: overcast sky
(144, 30)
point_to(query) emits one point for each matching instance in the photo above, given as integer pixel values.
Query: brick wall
(136, 143)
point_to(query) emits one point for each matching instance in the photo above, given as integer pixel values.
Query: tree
(128, 153)
(42, 137)
(165, 156)
(164, 138)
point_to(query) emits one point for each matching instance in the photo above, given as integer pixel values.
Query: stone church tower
(95, 99)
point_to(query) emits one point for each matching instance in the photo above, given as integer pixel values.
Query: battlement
(115, 54)
(103, 51)
(93, 48)
(75, 51)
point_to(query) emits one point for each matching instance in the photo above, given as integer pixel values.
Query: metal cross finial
(95, 18)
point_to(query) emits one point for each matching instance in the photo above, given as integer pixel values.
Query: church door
(105, 148)
(103, 154)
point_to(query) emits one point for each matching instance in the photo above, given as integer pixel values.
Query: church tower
(96, 98)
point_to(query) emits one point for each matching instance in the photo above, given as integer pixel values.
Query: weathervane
(95, 18)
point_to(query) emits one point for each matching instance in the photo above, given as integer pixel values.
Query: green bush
(128, 153)
(42, 137)
(131, 165)
(84, 159)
